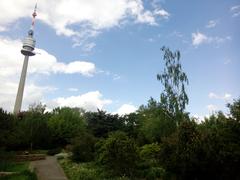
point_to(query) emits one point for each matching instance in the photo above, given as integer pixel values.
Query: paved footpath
(48, 169)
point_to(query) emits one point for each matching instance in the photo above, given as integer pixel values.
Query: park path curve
(48, 169)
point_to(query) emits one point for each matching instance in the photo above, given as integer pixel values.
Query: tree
(174, 97)
(37, 107)
(83, 147)
(155, 122)
(235, 109)
(118, 154)
(65, 124)
(101, 123)
(7, 125)
(33, 129)
(131, 124)
(181, 152)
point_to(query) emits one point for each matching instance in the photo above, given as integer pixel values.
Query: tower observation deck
(27, 50)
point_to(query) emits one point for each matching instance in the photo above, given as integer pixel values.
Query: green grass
(13, 166)
(21, 169)
(85, 171)
(24, 175)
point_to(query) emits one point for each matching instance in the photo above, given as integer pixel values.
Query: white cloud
(213, 95)
(212, 23)
(200, 38)
(212, 108)
(235, 10)
(81, 67)
(72, 17)
(198, 118)
(73, 89)
(44, 63)
(126, 109)
(163, 13)
(88, 47)
(32, 93)
(227, 61)
(90, 101)
(225, 97)
(116, 77)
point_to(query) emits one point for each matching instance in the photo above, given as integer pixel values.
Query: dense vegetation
(159, 141)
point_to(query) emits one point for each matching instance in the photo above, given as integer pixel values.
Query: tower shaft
(18, 102)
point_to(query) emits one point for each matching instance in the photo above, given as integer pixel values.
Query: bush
(119, 154)
(52, 152)
(150, 152)
(83, 148)
(149, 155)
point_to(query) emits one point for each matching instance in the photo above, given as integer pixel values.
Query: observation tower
(27, 50)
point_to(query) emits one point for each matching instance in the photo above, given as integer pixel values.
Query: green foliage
(83, 171)
(235, 109)
(155, 144)
(24, 175)
(37, 108)
(83, 148)
(221, 146)
(180, 151)
(150, 152)
(131, 124)
(33, 130)
(100, 123)
(65, 124)
(155, 122)
(13, 167)
(119, 154)
(21, 171)
(174, 97)
(209, 150)
(7, 126)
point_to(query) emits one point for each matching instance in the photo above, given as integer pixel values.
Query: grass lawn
(13, 166)
(21, 169)
(85, 171)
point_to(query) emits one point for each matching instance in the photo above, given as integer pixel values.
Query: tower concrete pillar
(18, 102)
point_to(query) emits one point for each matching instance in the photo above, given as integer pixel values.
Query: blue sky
(119, 44)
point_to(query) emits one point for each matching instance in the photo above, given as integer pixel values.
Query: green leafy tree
(235, 109)
(155, 122)
(118, 153)
(174, 97)
(131, 124)
(7, 125)
(181, 152)
(83, 147)
(32, 128)
(65, 124)
(37, 108)
(149, 154)
(220, 147)
(101, 123)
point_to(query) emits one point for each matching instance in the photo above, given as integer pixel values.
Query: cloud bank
(81, 17)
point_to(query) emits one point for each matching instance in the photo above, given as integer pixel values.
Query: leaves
(174, 97)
